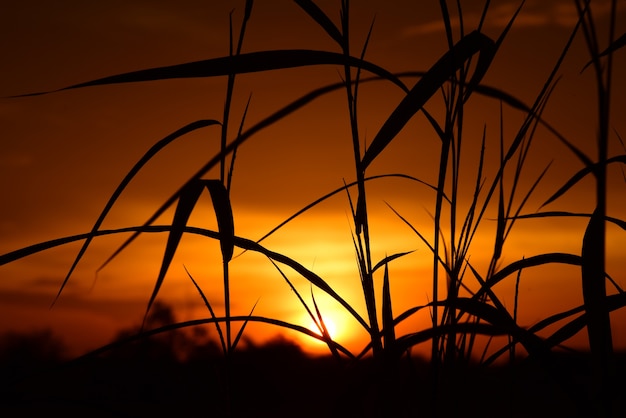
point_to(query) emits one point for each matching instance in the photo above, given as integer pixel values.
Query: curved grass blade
(210, 308)
(618, 222)
(561, 335)
(237, 64)
(268, 121)
(334, 192)
(294, 290)
(129, 176)
(299, 103)
(525, 199)
(243, 243)
(46, 245)
(544, 323)
(445, 265)
(436, 76)
(388, 259)
(537, 260)
(310, 276)
(611, 303)
(408, 341)
(322, 19)
(589, 169)
(531, 342)
(518, 142)
(500, 323)
(515, 103)
(185, 206)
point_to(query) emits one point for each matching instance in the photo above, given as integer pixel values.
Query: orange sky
(63, 154)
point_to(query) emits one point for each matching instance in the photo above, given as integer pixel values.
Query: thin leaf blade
(389, 334)
(224, 215)
(186, 203)
(237, 64)
(437, 75)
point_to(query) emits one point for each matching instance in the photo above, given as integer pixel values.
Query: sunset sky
(63, 154)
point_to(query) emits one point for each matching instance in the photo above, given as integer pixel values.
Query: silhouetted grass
(383, 377)
(169, 370)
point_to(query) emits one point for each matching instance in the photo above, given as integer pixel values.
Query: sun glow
(340, 326)
(328, 323)
(314, 345)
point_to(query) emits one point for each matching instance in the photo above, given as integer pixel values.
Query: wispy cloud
(534, 14)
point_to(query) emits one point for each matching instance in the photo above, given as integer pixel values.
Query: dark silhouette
(184, 372)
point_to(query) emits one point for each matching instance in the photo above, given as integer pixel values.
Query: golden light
(342, 328)
(315, 346)
(328, 323)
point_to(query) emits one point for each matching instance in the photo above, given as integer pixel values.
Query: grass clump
(470, 321)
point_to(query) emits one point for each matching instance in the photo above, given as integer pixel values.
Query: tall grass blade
(445, 14)
(501, 221)
(469, 219)
(515, 308)
(594, 295)
(231, 169)
(388, 259)
(621, 141)
(389, 334)
(436, 76)
(525, 199)
(515, 103)
(507, 28)
(224, 215)
(518, 141)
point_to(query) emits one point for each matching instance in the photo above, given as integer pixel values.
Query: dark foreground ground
(278, 380)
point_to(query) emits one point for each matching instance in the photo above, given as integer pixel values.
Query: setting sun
(336, 331)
